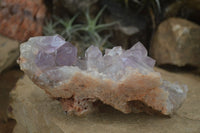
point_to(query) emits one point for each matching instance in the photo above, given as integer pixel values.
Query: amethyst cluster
(54, 51)
(53, 65)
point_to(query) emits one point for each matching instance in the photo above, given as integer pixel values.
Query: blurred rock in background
(188, 9)
(9, 51)
(21, 19)
(177, 42)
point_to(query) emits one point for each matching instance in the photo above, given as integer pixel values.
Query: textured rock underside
(122, 79)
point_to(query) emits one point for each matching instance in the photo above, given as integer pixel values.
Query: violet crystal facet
(123, 79)
(62, 54)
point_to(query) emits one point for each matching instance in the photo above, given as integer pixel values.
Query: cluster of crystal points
(52, 63)
(116, 60)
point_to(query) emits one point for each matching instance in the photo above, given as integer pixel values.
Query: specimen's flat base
(34, 111)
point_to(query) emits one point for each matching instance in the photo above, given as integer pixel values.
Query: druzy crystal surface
(123, 79)
(115, 61)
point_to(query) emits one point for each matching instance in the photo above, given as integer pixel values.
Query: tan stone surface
(9, 51)
(35, 111)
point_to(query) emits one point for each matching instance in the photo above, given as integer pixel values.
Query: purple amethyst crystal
(44, 60)
(116, 60)
(136, 57)
(66, 55)
(56, 53)
(94, 58)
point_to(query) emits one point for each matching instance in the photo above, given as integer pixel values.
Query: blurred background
(169, 29)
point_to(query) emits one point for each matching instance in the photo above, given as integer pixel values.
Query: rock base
(34, 111)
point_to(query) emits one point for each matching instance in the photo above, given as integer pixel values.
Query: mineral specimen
(123, 79)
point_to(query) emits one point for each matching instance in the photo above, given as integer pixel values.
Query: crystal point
(66, 55)
(94, 58)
